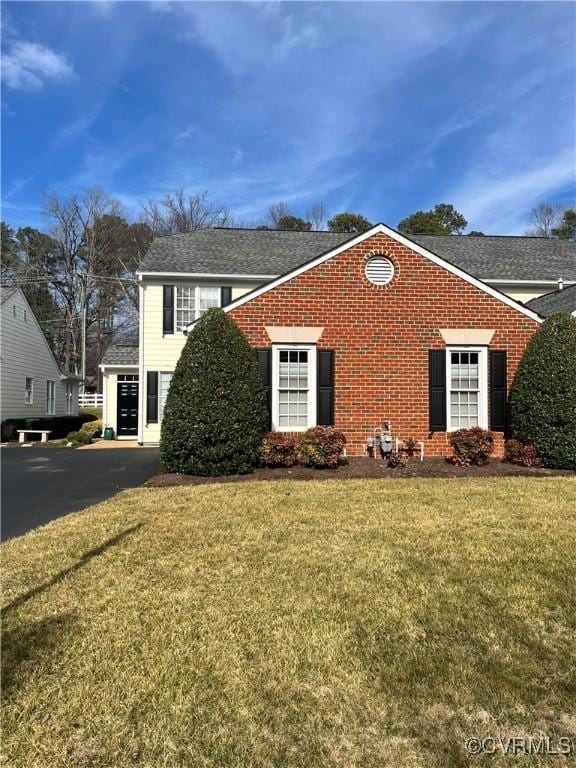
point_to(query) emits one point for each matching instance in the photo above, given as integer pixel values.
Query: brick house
(350, 330)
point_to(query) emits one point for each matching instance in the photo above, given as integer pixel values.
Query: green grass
(338, 624)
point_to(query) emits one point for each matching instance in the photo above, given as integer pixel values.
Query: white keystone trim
(403, 240)
(480, 337)
(292, 334)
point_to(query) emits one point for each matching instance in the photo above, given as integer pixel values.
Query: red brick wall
(381, 334)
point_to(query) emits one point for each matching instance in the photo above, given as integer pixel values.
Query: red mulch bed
(361, 468)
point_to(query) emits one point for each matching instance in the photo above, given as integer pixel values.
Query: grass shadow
(31, 646)
(84, 560)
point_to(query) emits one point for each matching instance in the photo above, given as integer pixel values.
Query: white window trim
(31, 401)
(482, 381)
(162, 405)
(50, 401)
(197, 315)
(312, 389)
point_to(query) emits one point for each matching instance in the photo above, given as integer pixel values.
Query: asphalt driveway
(42, 484)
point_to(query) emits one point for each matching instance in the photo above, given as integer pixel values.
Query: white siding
(524, 293)
(161, 352)
(25, 353)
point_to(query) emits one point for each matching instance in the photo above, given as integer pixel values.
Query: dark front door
(127, 416)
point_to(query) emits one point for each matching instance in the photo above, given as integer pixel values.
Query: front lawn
(341, 623)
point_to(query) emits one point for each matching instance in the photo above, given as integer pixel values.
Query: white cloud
(499, 201)
(103, 7)
(29, 65)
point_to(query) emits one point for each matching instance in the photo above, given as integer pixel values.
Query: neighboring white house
(32, 384)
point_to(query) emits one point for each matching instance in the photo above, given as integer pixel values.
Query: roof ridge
(509, 237)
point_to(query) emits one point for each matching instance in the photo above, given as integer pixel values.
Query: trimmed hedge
(60, 426)
(216, 413)
(543, 395)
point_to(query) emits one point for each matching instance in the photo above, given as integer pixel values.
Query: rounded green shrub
(543, 395)
(216, 412)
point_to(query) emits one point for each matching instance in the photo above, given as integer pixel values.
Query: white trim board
(205, 275)
(118, 365)
(507, 281)
(403, 240)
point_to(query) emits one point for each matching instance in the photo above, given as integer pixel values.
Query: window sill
(290, 429)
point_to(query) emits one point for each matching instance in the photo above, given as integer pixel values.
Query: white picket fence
(91, 401)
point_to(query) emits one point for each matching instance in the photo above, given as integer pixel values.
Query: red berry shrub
(279, 450)
(517, 452)
(471, 446)
(321, 447)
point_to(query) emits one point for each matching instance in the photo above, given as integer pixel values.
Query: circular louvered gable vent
(379, 270)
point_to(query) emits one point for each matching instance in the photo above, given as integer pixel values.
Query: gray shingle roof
(262, 252)
(503, 257)
(121, 353)
(557, 301)
(238, 251)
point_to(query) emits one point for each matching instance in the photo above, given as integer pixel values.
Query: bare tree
(90, 269)
(544, 218)
(275, 213)
(180, 212)
(316, 215)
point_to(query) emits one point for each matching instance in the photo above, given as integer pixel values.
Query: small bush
(396, 460)
(321, 447)
(279, 450)
(516, 452)
(543, 395)
(471, 446)
(79, 438)
(92, 428)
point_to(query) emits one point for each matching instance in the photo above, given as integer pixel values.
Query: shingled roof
(271, 253)
(501, 257)
(238, 251)
(558, 301)
(121, 353)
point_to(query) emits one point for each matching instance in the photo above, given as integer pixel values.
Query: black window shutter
(152, 397)
(168, 310)
(264, 357)
(325, 385)
(225, 295)
(498, 391)
(437, 389)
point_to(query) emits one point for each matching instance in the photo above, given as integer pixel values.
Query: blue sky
(380, 108)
